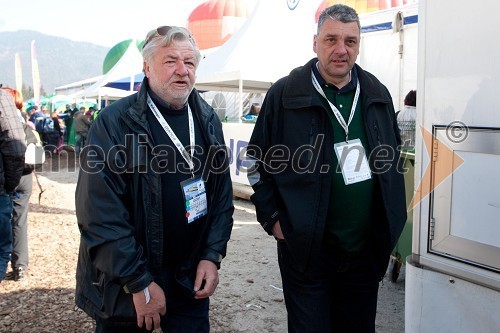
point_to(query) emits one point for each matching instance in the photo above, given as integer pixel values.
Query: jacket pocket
(110, 301)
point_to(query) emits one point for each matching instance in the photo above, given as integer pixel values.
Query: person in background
(40, 119)
(68, 122)
(37, 117)
(96, 113)
(18, 101)
(88, 114)
(20, 258)
(74, 108)
(82, 125)
(35, 113)
(26, 117)
(406, 119)
(45, 110)
(91, 112)
(254, 109)
(12, 150)
(56, 138)
(155, 229)
(334, 206)
(253, 113)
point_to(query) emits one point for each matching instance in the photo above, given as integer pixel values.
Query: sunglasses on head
(160, 31)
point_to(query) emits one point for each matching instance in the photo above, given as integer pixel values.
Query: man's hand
(149, 313)
(278, 234)
(207, 278)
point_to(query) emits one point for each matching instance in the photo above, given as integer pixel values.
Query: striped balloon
(215, 21)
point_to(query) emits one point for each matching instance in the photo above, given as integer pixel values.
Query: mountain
(60, 61)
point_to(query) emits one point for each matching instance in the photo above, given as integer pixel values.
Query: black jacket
(297, 191)
(119, 208)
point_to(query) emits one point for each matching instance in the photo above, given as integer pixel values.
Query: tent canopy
(125, 82)
(259, 53)
(128, 65)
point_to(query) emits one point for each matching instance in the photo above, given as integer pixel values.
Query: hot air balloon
(116, 52)
(213, 22)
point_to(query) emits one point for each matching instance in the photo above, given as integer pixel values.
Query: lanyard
(188, 158)
(335, 111)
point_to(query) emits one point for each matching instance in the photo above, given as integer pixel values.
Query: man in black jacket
(12, 149)
(154, 200)
(326, 181)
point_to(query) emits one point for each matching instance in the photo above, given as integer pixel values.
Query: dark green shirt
(350, 209)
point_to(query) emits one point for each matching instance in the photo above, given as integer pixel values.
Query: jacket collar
(138, 110)
(201, 110)
(299, 91)
(350, 86)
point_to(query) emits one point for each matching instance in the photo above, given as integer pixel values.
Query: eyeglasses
(160, 31)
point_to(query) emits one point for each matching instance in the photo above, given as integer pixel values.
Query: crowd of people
(55, 129)
(153, 238)
(43, 129)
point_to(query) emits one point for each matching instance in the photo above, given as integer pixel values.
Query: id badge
(352, 161)
(195, 198)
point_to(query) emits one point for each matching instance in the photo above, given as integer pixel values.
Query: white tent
(128, 65)
(74, 87)
(389, 48)
(276, 38)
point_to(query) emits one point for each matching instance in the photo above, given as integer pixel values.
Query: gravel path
(248, 298)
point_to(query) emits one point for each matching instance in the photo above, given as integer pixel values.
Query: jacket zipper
(311, 138)
(377, 136)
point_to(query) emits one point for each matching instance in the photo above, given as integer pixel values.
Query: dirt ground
(249, 297)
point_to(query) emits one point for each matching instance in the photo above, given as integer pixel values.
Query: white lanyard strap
(188, 158)
(335, 111)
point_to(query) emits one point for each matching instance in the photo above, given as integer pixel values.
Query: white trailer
(453, 274)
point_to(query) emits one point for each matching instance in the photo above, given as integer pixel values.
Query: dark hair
(339, 12)
(411, 98)
(254, 109)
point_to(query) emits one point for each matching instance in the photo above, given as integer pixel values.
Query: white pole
(241, 97)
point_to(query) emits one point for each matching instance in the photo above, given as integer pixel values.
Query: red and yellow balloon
(213, 22)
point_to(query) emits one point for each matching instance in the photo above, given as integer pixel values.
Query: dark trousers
(336, 294)
(5, 232)
(184, 313)
(21, 203)
(80, 142)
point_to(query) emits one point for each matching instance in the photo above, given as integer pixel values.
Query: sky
(102, 22)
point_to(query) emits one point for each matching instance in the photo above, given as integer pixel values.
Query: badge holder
(352, 161)
(195, 198)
